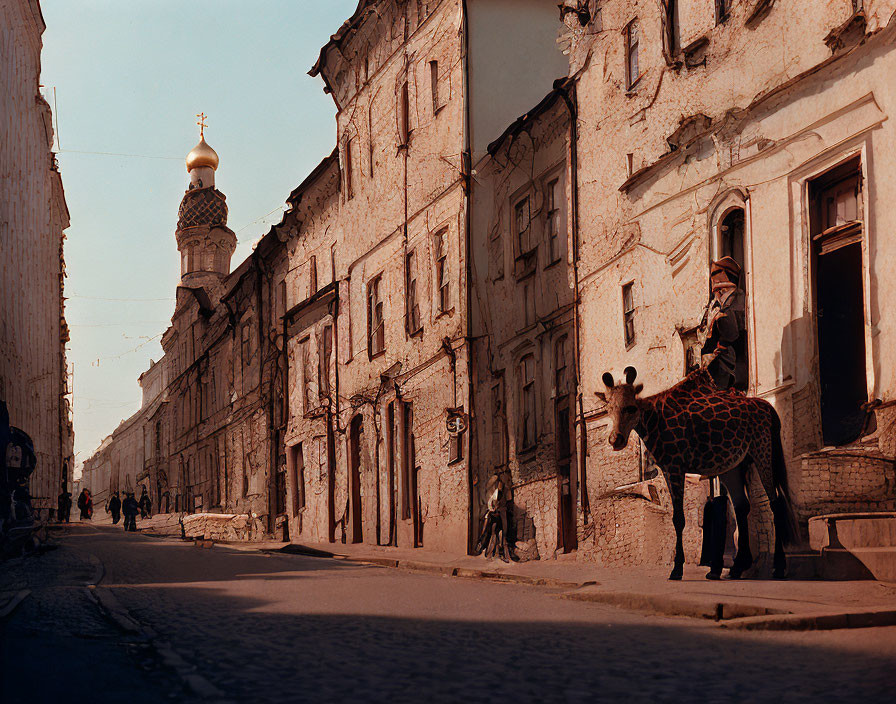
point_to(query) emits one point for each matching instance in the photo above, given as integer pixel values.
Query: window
(413, 324)
(376, 330)
(298, 478)
(630, 163)
(527, 402)
(723, 8)
(673, 32)
(496, 256)
(434, 82)
(561, 369)
(553, 198)
(323, 367)
(632, 73)
(404, 115)
(528, 301)
(349, 175)
(628, 314)
(305, 348)
(312, 275)
(521, 221)
(443, 278)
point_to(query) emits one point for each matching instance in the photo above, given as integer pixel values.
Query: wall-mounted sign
(456, 421)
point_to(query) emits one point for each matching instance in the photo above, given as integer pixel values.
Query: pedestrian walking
(115, 508)
(64, 507)
(145, 505)
(130, 508)
(85, 504)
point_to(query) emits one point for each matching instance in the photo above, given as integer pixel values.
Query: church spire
(203, 238)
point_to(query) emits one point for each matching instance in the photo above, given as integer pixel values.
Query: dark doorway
(356, 442)
(567, 532)
(410, 472)
(732, 232)
(837, 233)
(393, 497)
(331, 480)
(563, 444)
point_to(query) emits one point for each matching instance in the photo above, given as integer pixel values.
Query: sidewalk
(742, 604)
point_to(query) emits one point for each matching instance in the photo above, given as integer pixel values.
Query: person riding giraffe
(722, 334)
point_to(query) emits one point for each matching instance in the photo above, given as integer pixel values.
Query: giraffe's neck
(648, 427)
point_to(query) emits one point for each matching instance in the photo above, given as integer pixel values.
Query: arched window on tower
(191, 258)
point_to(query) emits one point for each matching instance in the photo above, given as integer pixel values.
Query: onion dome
(202, 155)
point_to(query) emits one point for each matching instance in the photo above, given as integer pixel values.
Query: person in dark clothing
(130, 508)
(145, 505)
(494, 529)
(723, 329)
(115, 508)
(723, 354)
(85, 504)
(64, 507)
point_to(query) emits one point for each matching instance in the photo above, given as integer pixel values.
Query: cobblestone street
(273, 628)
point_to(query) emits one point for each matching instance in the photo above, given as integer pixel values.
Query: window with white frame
(632, 41)
(443, 274)
(628, 313)
(376, 323)
(413, 322)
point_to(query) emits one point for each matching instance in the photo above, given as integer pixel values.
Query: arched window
(731, 236)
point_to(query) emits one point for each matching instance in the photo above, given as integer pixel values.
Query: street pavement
(250, 626)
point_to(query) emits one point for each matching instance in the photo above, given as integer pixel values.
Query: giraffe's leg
(779, 508)
(675, 482)
(718, 515)
(735, 482)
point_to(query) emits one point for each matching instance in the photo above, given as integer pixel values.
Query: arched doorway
(730, 241)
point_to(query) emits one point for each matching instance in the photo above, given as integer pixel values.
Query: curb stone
(118, 614)
(674, 606)
(815, 622)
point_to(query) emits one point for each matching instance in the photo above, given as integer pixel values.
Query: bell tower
(204, 241)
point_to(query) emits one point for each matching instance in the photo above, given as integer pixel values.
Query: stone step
(853, 530)
(859, 563)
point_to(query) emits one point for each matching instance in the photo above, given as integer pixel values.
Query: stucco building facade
(447, 287)
(34, 379)
(757, 130)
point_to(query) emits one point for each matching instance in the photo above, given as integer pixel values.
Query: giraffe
(696, 427)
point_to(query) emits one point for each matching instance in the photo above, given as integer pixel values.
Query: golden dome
(202, 155)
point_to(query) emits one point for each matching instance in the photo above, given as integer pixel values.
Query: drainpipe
(468, 228)
(570, 98)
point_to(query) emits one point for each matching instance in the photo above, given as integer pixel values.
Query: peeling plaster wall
(401, 194)
(765, 142)
(33, 216)
(528, 161)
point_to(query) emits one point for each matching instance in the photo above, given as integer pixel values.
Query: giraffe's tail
(785, 519)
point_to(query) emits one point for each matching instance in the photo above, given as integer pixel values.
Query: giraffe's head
(622, 406)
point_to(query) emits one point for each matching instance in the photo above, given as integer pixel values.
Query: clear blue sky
(130, 76)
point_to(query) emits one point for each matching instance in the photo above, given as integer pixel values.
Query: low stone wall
(633, 526)
(209, 526)
(536, 519)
